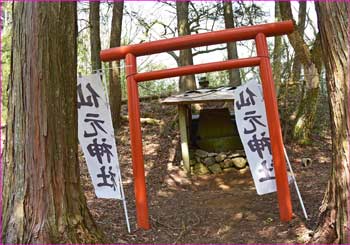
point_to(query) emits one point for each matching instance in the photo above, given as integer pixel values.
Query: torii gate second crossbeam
(257, 32)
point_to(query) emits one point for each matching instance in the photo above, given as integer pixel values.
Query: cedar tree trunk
(186, 58)
(333, 23)
(277, 54)
(42, 198)
(305, 116)
(301, 29)
(115, 89)
(234, 76)
(95, 41)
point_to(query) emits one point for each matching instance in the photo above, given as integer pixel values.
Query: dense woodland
(47, 196)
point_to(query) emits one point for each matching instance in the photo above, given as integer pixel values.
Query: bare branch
(208, 51)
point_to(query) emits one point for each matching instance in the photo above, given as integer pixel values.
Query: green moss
(217, 132)
(221, 144)
(305, 119)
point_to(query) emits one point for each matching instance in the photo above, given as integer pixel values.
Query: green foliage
(217, 79)
(84, 66)
(157, 87)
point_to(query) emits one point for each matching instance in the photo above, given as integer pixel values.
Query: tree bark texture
(333, 23)
(95, 40)
(305, 116)
(42, 198)
(277, 54)
(234, 76)
(301, 29)
(186, 58)
(115, 89)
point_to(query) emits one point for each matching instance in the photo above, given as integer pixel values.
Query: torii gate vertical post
(259, 33)
(136, 143)
(279, 162)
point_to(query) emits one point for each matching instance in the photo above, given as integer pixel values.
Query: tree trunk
(186, 58)
(301, 30)
(306, 111)
(277, 54)
(95, 41)
(42, 198)
(333, 23)
(115, 89)
(234, 76)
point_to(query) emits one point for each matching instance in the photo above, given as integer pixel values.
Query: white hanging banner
(254, 132)
(96, 137)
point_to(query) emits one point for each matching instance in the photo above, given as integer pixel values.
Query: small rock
(306, 162)
(220, 157)
(200, 169)
(243, 170)
(198, 159)
(251, 216)
(238, 216)
(229, 169)
(121, 241)
(237, 153)
(233, 155)
(227, 163)
(209, 161)
(201, 153)
(215, 168)
(212, 154)
(239, 162)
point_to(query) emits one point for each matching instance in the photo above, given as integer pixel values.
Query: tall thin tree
(305, 116)
(95, 40)
(296, 69)
(277, 54)
(42, 198)
(333, 23)
(186, 58)
(234, 76)
(115, 90)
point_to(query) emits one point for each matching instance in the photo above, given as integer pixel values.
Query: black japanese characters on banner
(253, 129)
(96, 136)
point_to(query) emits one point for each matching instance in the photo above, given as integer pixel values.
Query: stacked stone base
(203, 162)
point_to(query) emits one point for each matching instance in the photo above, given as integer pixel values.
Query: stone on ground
(239, 162)
(215, 168)
(209, 161)
(200, 169)
(220, 157)
(201, 153)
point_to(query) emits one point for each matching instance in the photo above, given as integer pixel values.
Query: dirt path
(222, 208)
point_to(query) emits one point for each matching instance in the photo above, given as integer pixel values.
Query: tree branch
(208, 51)
(295, 39)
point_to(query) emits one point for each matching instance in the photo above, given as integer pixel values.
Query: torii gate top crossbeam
(198, 40)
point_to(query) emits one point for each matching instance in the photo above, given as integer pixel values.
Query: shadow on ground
(222, 208)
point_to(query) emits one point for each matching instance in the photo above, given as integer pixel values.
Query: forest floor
(221, 208)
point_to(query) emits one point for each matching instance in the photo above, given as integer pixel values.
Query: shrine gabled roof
(201, 96)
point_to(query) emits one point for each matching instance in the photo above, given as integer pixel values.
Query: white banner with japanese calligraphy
(254, 132)
(96, 137)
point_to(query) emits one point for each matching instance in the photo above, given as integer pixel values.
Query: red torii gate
(257, 32)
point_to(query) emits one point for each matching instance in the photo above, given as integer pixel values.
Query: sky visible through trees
(136, 14)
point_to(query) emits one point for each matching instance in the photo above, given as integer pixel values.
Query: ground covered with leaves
(221, 208)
